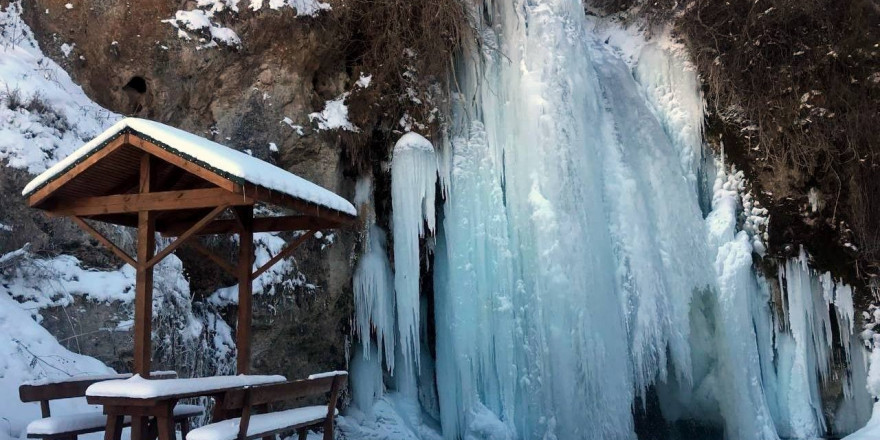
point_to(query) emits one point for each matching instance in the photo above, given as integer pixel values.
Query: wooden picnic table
(155, 398)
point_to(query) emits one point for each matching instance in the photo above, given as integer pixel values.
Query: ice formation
(591, 257)
(413, 181)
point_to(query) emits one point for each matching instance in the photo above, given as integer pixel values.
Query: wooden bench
(69, 426)
(257, 421)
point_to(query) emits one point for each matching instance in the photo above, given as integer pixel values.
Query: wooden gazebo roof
(144, 174)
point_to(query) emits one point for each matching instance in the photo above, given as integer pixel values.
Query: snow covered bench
(69, 426)
(267, 424)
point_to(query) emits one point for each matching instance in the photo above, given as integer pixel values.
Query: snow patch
(334, 115)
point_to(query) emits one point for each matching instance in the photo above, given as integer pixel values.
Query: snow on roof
(137, 387)
(227, 162)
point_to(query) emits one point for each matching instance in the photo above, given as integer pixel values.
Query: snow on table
(102, 377)
(260, 423)
(328, 374)
(227, 161)
(139, 388)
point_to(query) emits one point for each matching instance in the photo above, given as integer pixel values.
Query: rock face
(132, 63)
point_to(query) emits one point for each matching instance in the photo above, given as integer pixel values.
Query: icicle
(413, 184)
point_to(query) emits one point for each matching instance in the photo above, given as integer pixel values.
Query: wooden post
(143, 298)
(245, 216)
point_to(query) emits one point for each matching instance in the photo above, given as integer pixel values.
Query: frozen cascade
(577, 276)
(373, 285)
(413, 183)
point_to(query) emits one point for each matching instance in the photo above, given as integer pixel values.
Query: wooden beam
(262, 224)
(43, 193)
(186, 235)
(213, 257)
(190, 167)
(158, 201)
(105, 241)
(143, 299)
(284, 253)
(304, 207)
(245, 299)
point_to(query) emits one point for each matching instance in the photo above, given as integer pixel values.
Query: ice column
(413, 185)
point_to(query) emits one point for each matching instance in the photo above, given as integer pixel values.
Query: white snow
(29, 353)
(328, 374)
(272, 147)
(364, 80)
(198, 20)
(31, 140)
(334, 115)
(871, 431)
(139, 388)
(193, 147)
(91, 420)
(66, 49)
(304, 8)
(259, 423)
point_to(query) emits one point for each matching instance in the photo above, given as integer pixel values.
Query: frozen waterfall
(590, 261)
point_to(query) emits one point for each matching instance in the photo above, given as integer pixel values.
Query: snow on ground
(28, 352)
(871, 431)
(44, 116)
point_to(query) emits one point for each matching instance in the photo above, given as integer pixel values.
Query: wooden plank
(186, 235)
(188, 166)
(45, 192)
(261, 224)
(263, 394)
(303, 206)
(158, 201)
(143, 300)
(245, 300)
(213, 257)
(105, 241)
(283, 254)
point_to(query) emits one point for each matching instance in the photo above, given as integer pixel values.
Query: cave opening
(137, 84)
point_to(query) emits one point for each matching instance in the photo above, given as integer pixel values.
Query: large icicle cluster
(374, 286)
(591, 262)
(413, 184)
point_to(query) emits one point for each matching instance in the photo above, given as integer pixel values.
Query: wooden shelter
(156, 178)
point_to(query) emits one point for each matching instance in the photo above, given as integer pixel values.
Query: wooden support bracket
(214, 257)
(105, 241)
(284, 253)
(186, 235)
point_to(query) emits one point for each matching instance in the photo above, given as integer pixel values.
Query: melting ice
(590, 258)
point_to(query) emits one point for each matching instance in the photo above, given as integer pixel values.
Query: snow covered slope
(44, 116)
(28, 352)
